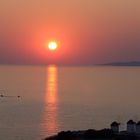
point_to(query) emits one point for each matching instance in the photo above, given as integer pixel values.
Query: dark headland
(132, 63)
(132, 132)
(91, 134)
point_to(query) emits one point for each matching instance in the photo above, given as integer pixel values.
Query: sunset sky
(87, 31)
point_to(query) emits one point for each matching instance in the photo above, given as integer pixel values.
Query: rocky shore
(91, 134)
(132, 132)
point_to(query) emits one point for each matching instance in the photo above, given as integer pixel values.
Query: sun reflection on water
(52, 85)
(51, 102)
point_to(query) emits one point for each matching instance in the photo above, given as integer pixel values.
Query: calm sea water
(65, 98)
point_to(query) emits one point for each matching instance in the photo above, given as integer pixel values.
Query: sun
(52, 45)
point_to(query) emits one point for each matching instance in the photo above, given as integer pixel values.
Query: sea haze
(65, 98)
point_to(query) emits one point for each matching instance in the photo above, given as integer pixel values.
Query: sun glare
(52, 45)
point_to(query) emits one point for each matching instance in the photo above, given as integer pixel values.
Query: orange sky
(88, 31)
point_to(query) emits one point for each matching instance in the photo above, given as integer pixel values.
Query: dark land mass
(104, 134)
(133, 63)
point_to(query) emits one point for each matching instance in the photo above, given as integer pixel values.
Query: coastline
(91, 134)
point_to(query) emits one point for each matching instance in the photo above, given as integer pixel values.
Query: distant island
(132, 63)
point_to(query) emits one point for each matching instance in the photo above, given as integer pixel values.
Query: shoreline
(92, 134)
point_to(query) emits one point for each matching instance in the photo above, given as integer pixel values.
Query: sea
(39, 101)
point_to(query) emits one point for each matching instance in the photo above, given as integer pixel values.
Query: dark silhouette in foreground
(104, 134)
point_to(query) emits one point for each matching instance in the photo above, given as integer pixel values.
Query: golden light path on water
(50, 125)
